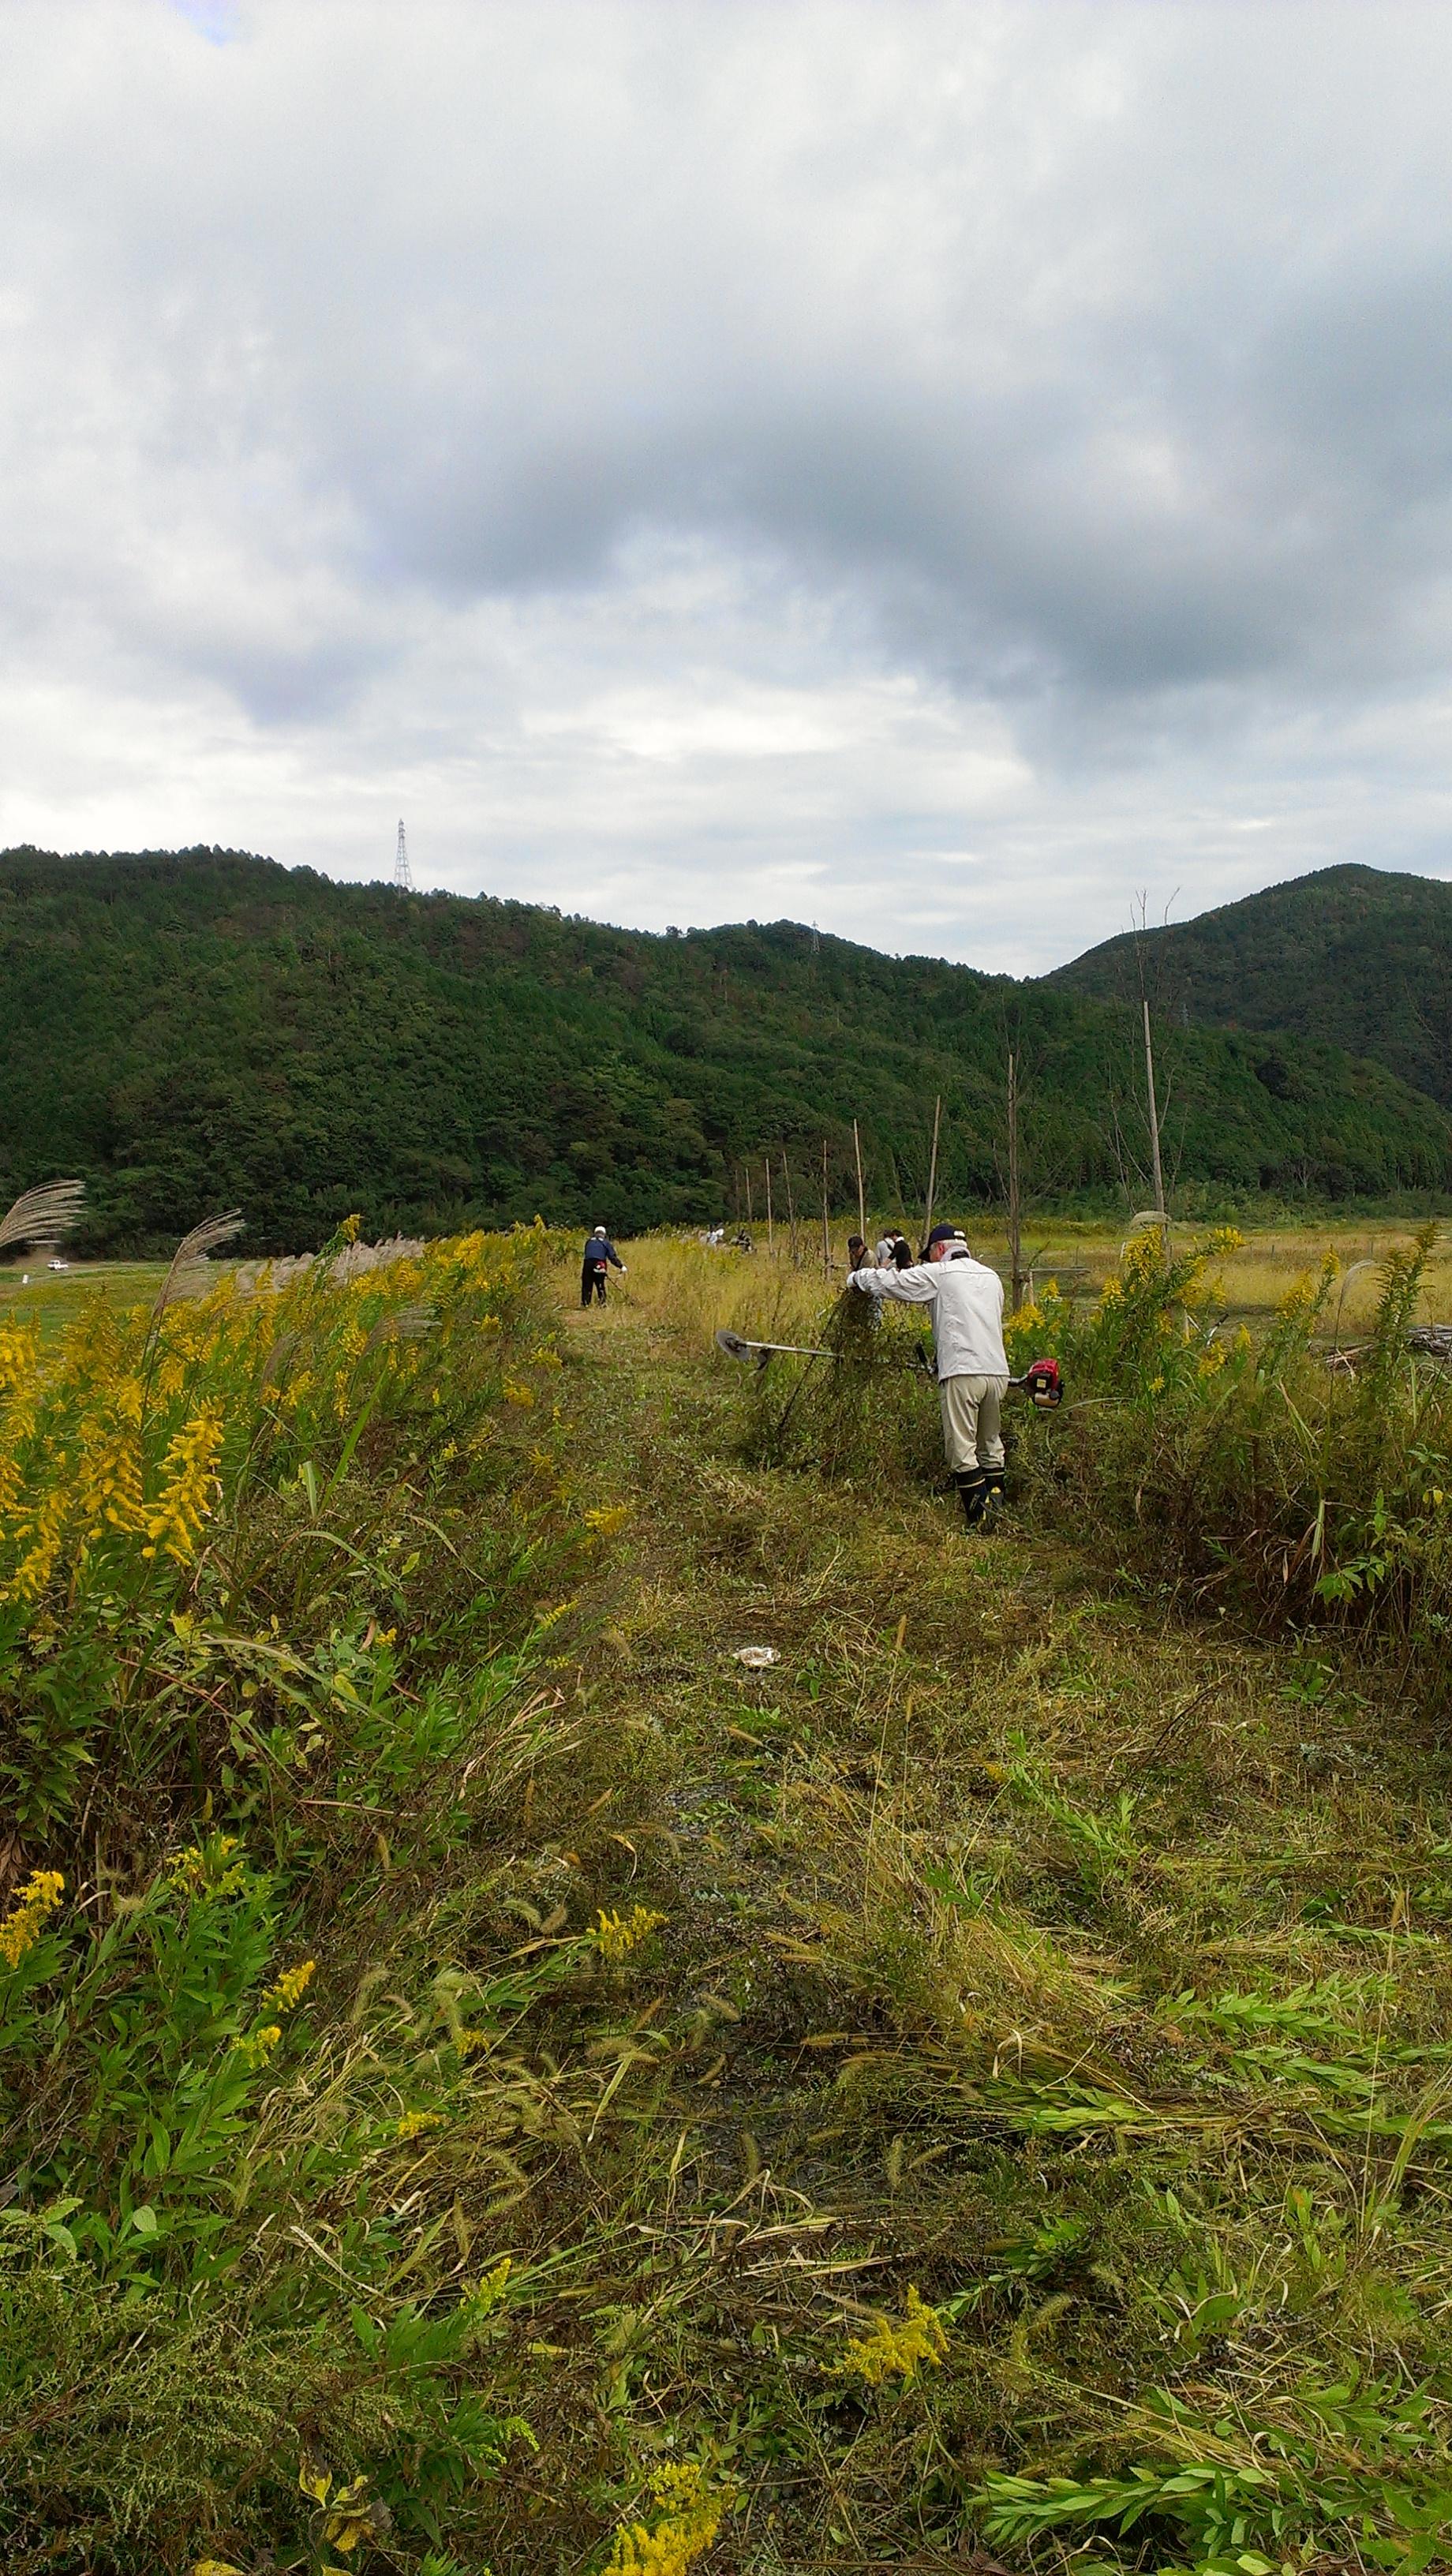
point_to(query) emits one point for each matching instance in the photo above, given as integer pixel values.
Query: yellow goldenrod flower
(192, 1872)
(615, 1935)
(20, 1930)
(690, 2520)
(257, 2049)
(291, 1986)
(604, 1520)
(481, 2297)
(189, 1489)
(414, 2123)
(1299, 1299)
(523, 1396)
(45, 1531)
(897, 2345)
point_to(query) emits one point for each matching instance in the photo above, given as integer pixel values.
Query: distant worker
(970, 1362)
(856, 1252)
(902, 1253)
(882, 1251)
(600, 1253)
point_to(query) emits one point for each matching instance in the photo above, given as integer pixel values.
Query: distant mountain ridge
(1356, 956)
(200, 1029)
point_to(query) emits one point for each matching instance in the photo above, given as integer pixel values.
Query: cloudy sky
(936, 470)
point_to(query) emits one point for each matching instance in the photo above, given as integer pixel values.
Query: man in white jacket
(972, 1366)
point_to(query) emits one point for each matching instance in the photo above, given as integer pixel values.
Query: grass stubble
(974, 2089)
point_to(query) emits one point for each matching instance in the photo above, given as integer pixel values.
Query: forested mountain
(1354, 955)
(195, 1029)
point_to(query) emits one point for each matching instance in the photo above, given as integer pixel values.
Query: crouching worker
(971, 1364)
(600, 1257)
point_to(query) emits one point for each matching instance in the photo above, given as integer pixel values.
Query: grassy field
(55, 1298)
(506, 2082)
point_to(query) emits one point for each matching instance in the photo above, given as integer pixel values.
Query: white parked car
(57, 1265)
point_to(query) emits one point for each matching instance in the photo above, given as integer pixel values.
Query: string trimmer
(1041, 1381)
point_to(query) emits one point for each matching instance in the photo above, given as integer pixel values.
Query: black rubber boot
(972, 1487)
(992, 1492)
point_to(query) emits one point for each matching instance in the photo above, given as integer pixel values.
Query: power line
(402, 872)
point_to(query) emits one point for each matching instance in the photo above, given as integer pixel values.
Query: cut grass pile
(978, 2082)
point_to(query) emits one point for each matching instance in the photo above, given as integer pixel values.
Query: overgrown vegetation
(204, 1027)
(504, 2082)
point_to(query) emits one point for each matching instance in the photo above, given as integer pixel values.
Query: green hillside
(187, 1030)
(1353, 955)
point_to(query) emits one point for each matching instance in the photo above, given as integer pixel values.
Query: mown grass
(1033, 1954)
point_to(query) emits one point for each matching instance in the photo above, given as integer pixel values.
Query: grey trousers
(972, 1410)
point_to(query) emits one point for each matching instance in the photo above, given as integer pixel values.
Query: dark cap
(942, 1234)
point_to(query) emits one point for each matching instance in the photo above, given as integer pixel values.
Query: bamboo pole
(786, 1173)
(1156, 1167)
(1015, 1204)
(861, 1199)
(826, 1229)
(932, 1171)
(770, 1237)
(750, 1218)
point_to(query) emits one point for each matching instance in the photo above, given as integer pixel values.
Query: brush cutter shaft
(1041, 1382)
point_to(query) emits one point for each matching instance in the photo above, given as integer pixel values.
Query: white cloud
(934, 469)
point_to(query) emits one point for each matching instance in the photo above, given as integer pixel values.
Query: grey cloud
(1086, 371)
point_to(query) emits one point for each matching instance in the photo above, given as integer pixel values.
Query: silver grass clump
(189, 1275)
(409, 1324)
(356, 1258)
(275, 1366)
(44, 1217)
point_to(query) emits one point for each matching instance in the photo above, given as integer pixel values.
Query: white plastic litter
(756, 1658)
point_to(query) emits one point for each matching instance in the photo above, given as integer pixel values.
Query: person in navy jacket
(600, 1255)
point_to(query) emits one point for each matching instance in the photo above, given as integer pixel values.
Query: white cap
(599, 1229)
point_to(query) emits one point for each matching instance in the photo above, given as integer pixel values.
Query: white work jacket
(967, 1302)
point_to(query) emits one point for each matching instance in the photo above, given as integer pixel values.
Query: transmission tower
(402, 872)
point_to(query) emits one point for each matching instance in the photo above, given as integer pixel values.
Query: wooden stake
(932, 1173)
(770, 1237)
(861, 1200)
(826, 1229)
(750, 1219)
